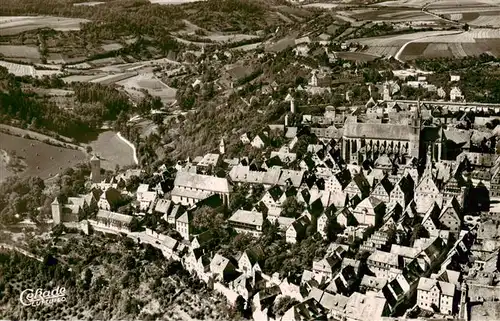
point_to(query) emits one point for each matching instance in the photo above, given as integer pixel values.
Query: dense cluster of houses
(413, 185)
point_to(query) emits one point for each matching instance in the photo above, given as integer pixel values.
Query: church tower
(95, 168)
(292, 106)
(462, 313)
(222, 147)
(56, 211)
(387, 91)
(415, 124)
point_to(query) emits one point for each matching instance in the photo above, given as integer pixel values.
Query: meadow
(40, 159)
(112, 151)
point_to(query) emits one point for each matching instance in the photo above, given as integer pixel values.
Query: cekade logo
(30, 297)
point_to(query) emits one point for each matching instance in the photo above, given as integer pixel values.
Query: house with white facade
(384, 264)
(456, 94)
(190, 188)
(247, 222)
(434, 295)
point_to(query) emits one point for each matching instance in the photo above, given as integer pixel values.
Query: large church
(379, 136)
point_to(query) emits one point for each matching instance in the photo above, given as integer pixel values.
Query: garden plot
(18, 24)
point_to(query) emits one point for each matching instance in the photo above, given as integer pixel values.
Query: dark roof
(344, 177)
(380, 131)
(213, 201)
(430, 134)
(361, 182)
(275, 192)
(386, 184)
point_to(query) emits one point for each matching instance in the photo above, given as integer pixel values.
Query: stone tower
(56, 211)
(292, 106)
(222, 147)
(95, 169)
(387, 91)
(415, 124)
(462, 313)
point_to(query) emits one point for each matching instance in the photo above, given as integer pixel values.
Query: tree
(206, 218)
(291, 207)
(332, 229)
(417, 232)
(284, 304)
(241, 242)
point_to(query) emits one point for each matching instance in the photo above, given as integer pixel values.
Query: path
(136, 160)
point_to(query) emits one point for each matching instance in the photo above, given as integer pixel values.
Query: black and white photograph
(267, 160)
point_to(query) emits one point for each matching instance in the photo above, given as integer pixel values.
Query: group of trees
(95, 104)
(101, 280)
(20, 199)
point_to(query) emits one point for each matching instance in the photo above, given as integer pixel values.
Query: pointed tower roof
(428, 163)
(56, 201)
(94, 157)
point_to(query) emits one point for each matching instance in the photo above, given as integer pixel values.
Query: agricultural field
(25, 53)
(470, 43)
(112, 47)
(82, 78)
(175, 2)
(391, 15)
(149, 82)
(391, 45)
(229, 38)
(321, 5)
(36, 158)
(88, 4)
(18, 69)
(477, 17)
(113, 78)
(112, 151)
(356, 56)
(18, 24)
(435, 4)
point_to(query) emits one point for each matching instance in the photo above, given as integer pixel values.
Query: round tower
(222, 147)
(95, 169)
(56, 207)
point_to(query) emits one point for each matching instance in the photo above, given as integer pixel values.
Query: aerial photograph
(267, 160)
